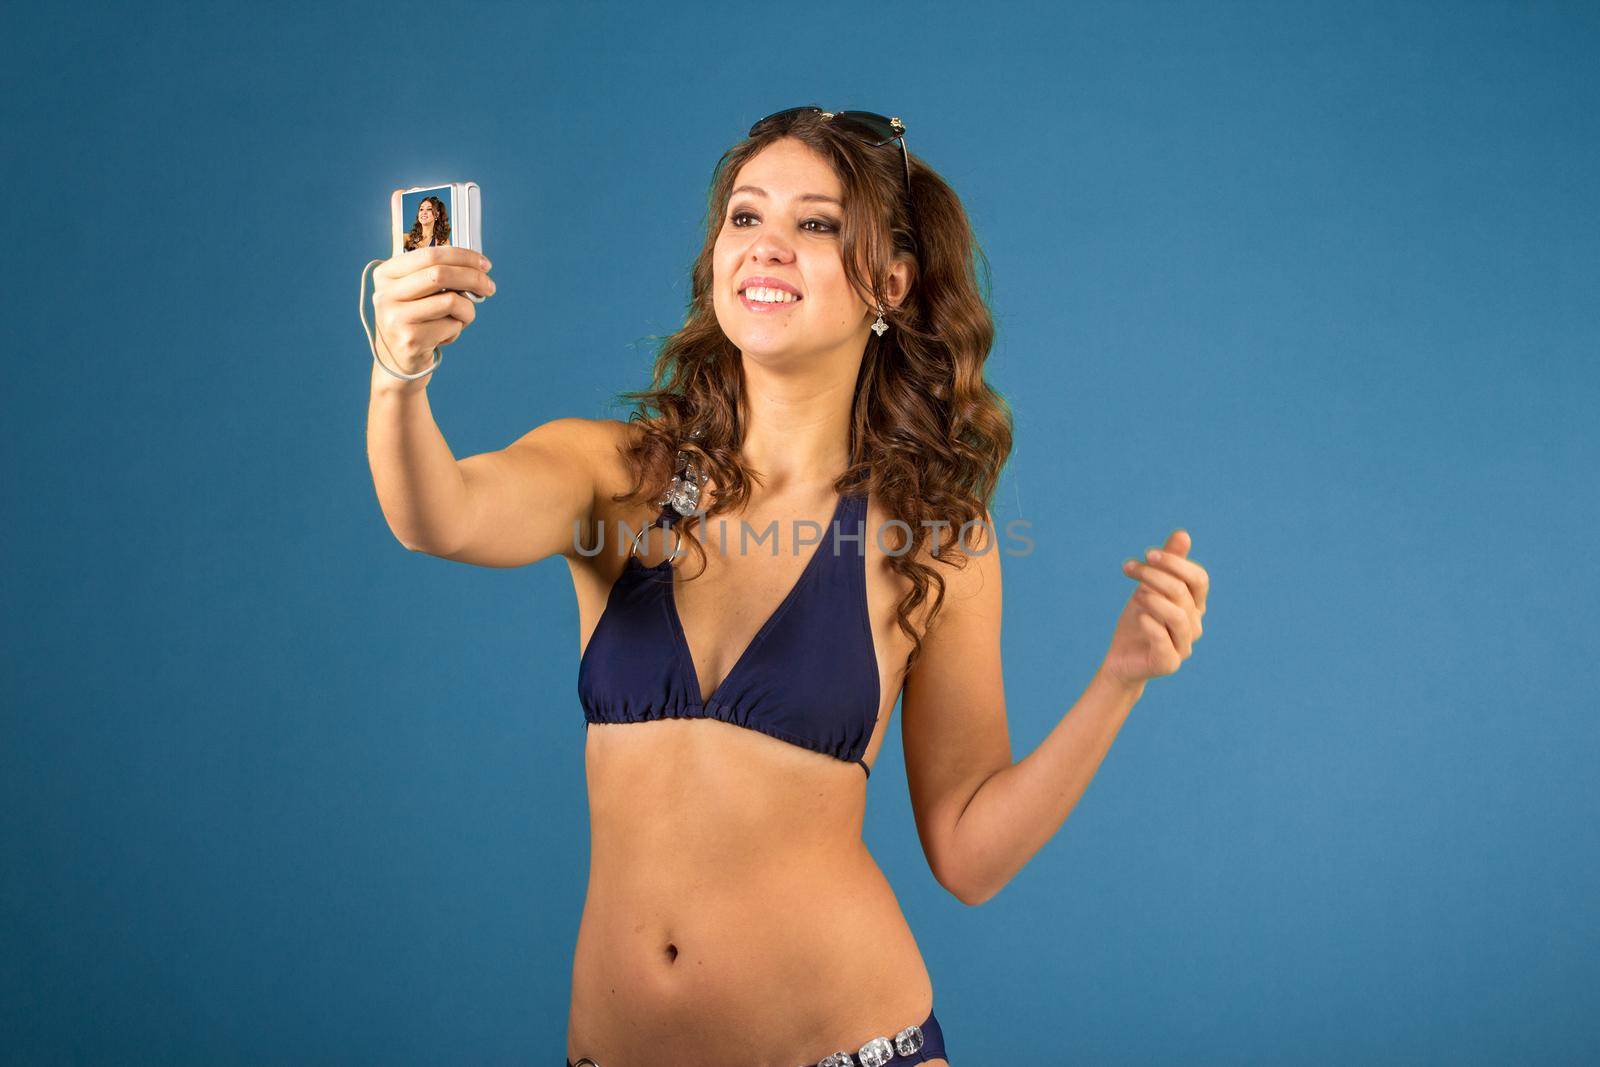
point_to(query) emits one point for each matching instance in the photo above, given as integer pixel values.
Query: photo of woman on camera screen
(432, 226)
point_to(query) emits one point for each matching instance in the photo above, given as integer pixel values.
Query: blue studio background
(1316, 282)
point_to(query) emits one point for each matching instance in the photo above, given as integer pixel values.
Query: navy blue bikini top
(808, 677)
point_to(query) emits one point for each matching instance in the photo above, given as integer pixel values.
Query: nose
(769, 248)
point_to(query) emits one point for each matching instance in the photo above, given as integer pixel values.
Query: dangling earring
(880, 326)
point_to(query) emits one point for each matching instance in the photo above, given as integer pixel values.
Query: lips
(763, 281)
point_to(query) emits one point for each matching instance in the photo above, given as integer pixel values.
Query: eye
(826, 225)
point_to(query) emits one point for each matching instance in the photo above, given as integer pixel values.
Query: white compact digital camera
(448, 214)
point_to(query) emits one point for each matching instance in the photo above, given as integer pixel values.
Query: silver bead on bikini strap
(878, 1051)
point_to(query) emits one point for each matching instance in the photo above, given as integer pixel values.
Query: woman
(432, 226)
(830, 370)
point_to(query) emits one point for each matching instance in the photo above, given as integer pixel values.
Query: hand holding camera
(418, 303)
(427, 292)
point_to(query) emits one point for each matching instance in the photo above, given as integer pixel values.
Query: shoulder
(971, 572)
(617, 434)
(977, 537)
(580, 438)
(597, 445)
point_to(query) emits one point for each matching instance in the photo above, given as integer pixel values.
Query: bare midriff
(733, 913)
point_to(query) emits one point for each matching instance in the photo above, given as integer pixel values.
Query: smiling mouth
(762, 307)
(759, 298)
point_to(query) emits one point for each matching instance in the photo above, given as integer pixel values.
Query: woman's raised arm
(498, 509)
(518, 505)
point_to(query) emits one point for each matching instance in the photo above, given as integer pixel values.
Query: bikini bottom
(932, 1049)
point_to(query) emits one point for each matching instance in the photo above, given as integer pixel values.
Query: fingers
(433, 308)
(434, 277)
(419, 338)
(1179, 627)
(1163, 658)
(1186, 570)
(403, 263)
(1173, 586)
(1168, 603)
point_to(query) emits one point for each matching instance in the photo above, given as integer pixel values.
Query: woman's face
(782, 223)
(425, 212)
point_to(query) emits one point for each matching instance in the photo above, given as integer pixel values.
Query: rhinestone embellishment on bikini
(908, 1040)
(684, 492)
(876, 1053)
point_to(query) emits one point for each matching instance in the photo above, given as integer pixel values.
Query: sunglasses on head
(870, 127)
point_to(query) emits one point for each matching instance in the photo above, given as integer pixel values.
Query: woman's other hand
(1161, 622)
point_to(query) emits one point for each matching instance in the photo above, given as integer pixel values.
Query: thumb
(1178, 542)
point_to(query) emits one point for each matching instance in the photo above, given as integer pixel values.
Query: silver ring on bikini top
(634, 550)
(586, 1061)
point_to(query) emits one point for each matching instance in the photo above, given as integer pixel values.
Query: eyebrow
(802, 196)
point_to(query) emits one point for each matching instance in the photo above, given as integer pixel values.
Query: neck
(797, 436)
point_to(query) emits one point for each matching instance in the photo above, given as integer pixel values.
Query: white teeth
(770, 296)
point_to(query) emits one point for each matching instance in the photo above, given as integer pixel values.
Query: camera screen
(426, 218)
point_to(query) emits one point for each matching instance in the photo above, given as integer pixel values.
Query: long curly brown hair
(441, 225)
(929, 436)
